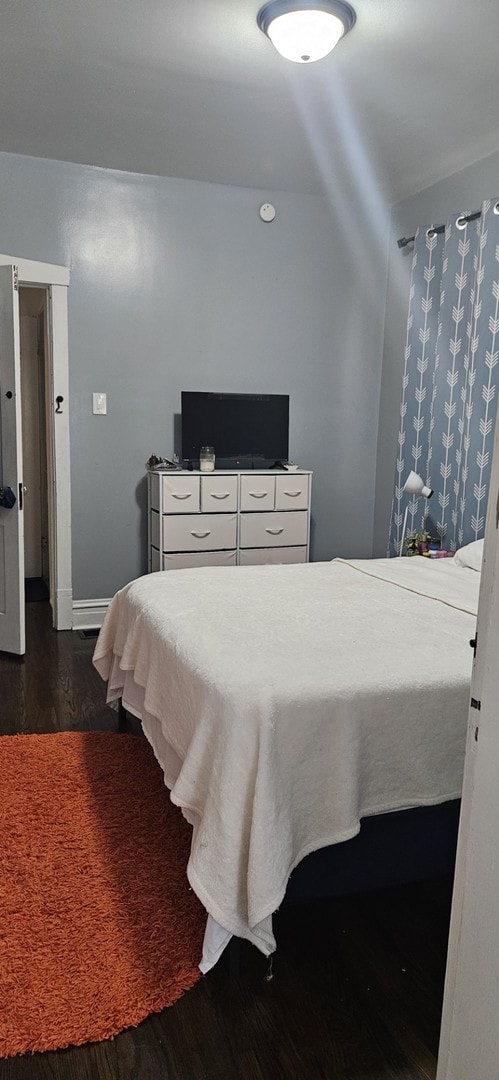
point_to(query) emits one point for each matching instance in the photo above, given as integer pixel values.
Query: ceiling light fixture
(305, 30)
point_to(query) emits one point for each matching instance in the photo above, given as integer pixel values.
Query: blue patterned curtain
(449, 389)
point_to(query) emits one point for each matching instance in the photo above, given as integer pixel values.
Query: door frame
(468, 1040)
(55, 280)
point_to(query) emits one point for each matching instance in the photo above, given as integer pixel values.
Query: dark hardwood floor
(357, 981)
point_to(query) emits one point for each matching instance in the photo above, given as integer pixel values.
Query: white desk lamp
(414, 485)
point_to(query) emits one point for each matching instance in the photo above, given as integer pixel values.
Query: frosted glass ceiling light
(305, 31)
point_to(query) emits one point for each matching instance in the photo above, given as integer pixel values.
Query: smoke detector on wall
(267, 211)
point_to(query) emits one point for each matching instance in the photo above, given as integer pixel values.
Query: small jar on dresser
(227, 518)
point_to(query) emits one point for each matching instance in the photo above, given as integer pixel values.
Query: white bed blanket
(285, 703)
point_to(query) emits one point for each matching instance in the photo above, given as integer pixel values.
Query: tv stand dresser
(227, 517)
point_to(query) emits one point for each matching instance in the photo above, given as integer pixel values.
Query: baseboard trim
(89, 614)
(64, 609)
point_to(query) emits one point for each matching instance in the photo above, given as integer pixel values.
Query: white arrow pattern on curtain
(417, 383)
(485, 357)
(449, 379)
(449, 393)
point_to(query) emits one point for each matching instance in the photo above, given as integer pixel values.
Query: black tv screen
(241, 427)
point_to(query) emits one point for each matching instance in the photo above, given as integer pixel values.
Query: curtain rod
(461, 221)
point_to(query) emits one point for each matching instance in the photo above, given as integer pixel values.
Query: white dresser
(227, 518)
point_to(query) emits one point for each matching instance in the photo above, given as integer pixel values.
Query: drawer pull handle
(219, 494)
(200, 535)
(259, 494)
(275, 532)
(293, 494)
(180, 495)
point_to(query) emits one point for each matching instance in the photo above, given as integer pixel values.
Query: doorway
(45, 487)
(33, 322)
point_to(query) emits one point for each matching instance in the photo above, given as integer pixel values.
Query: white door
(55, 279)
(469, 1042)
(12, 636)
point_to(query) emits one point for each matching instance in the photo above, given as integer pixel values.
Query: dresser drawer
(258, 556)
(154, 526)
(218, 494)
(182, 561)
(291, 492)
(199, 532)
(257, 492)
(180, 494)
(274, 530)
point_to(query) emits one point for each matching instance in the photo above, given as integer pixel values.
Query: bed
(284, 704)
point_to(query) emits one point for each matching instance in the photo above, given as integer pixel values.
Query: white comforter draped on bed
(285, 703)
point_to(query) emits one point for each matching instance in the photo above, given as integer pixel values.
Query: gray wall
(178, 285)
(463, 191)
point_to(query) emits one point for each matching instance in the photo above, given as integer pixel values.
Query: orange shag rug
(98, 925)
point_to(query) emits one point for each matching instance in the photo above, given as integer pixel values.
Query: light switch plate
(99, 404)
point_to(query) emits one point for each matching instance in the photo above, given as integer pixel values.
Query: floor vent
(89, 633)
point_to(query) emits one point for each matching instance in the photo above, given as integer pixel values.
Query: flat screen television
(250, 430)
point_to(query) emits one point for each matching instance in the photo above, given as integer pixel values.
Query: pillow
(471, 555)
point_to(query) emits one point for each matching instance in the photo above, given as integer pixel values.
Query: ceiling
(192, 88)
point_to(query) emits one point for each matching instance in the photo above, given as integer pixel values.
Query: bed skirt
(406, 846)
